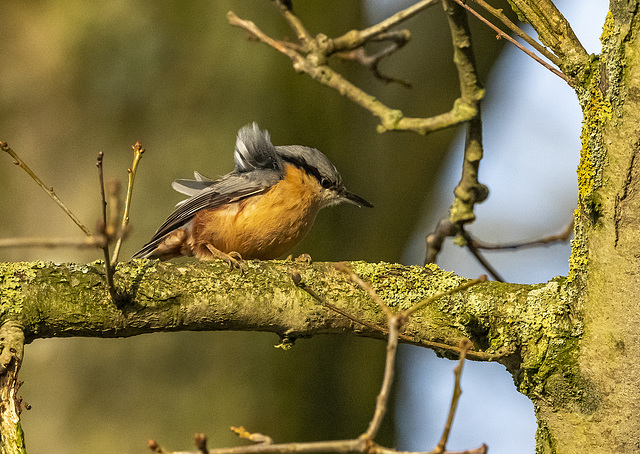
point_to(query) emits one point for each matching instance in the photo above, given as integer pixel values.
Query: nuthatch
(261, 210)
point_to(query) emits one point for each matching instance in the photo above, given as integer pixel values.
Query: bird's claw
(235, 261)
(302, 258)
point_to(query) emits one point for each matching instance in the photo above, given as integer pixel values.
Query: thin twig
(518, 31)
(349, 46)
(469, 191)
(479, 356)
(252, 436)
(296, 25)
(94, 241)
(387, 380)
(114, 208)
(560, 237)
(356, 38)
(398, 40)
(297, 280)
(479, 257)
(200, 441)
(105, 248)
(457, 391)
(514, 42)
(444, 229)
(48, 189)
(138, 151)
(156, 448)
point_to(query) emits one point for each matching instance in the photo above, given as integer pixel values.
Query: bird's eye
(326, 183)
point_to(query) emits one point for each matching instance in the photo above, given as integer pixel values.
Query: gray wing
(231, 188)
(192, 187)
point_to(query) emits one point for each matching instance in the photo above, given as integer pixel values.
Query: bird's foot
(303, 258)
(233, 259)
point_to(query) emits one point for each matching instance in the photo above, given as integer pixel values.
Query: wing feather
(254, 151)
(231, 188)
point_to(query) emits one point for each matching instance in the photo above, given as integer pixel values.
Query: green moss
(12, 276)
(403, 286)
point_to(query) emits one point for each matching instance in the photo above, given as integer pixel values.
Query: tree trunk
(592, 403)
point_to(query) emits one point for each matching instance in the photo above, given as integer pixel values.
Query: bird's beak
(355, 199)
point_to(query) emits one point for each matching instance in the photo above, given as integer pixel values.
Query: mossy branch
(66, 300)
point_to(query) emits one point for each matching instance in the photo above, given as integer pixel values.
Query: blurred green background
(81, 77)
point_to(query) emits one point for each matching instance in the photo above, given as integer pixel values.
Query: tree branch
(11, 351)
(68, 300)
(313, 64)
(554, 32)
(520, 33)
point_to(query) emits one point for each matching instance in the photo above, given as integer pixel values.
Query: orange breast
(263, 226)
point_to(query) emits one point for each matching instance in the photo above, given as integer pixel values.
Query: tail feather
(173, 244)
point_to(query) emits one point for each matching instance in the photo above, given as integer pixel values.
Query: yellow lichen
(607, 28)
(596, 113)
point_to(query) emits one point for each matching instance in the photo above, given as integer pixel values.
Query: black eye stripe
(324, 181)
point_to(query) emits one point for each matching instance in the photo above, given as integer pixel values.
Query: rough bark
(599, 413)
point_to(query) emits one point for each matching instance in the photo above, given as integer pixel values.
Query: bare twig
(502, 34)
(297, 280)
(518, 31)
(200, 441)
(94, 241)
(252, 436)
(560, 237)
(469, 190)
(138, 151)
(105, 248)
(333, 446)
(114, 208)
(356, 38)
(156, 448)
(479, 257)
(48, 189)
(296, 25)
(457, 391)
(395, 322)
(398, 40)
(390, 119)
(480, 356)
(444, 229)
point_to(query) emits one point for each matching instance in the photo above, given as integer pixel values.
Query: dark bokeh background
(81, 77)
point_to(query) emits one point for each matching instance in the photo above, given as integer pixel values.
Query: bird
(260, 210)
